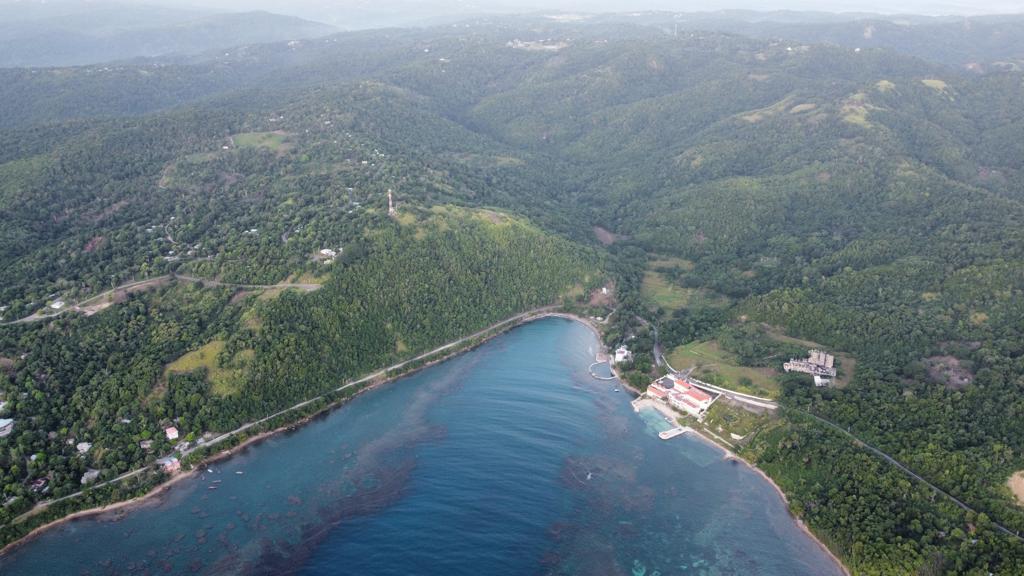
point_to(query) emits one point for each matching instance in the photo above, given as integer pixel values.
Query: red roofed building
(682, 395)
(656, 391)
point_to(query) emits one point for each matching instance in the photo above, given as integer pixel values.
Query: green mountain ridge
(868, 201)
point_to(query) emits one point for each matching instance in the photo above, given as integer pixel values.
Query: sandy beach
(730, 455)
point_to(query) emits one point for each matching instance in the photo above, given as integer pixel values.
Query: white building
(83, 447)
(622, 354)
(57, 305)
(171, 433)
(6, 426)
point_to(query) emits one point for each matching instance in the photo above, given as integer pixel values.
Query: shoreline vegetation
(371, 383)
(375, 379)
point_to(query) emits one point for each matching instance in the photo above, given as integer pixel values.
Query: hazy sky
(931, 7)
(351, 14)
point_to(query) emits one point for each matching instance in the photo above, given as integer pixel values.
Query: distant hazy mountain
(43, 34)
(975, 42)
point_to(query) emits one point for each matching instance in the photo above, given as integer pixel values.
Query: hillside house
(169, 464)
(622, 354)
(171, 433)
(6, 426)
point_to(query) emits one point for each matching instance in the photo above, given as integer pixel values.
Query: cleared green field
(716, 366)
(276, 141)
(660, 292)
(670, 262)
(725, 420)
(224, 381)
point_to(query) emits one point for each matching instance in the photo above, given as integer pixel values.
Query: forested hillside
(862, 199)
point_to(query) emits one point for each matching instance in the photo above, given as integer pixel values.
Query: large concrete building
(818, 364)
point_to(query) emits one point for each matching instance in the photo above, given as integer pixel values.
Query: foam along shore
(453, 349)
(730, 455)
(669, 413)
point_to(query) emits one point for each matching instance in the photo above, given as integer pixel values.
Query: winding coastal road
(156, 280)
(904, 469)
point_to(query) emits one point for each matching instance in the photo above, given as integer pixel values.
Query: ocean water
(509, 459)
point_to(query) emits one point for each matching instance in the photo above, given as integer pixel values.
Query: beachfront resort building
(818, 364)
(681, 394)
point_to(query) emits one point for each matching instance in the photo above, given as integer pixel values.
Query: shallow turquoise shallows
(510, 459)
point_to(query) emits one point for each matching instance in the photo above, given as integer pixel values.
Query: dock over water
(677, 431)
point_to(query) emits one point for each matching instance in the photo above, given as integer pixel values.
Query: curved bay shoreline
(160, 489)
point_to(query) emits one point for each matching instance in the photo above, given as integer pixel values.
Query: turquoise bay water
(509, 459)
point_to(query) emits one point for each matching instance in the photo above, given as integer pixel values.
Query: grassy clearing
(276, 141)
(574, 292)
(224, 380)
(754, 116)
(1016, 484)
(725, 419)
(306, 278)
(671, 262)
(658, 291)
(716, 366)
(801, 108)
(847, 363)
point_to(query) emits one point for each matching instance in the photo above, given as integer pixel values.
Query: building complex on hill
(817, 364)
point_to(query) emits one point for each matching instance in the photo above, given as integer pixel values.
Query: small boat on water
(239, 472)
